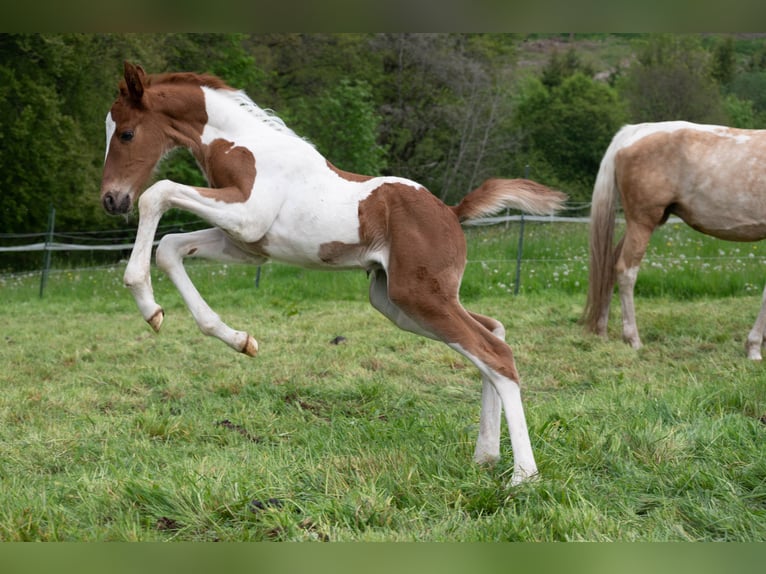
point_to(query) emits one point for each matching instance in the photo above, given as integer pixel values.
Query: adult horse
(271, 195)
(712, 177)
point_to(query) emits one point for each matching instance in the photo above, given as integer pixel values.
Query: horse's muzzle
(116, 204)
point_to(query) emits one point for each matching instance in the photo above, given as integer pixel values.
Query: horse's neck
(234, 118)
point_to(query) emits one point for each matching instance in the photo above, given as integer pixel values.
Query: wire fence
(122, 240)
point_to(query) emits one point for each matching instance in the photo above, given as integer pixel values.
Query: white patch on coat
(111, 126)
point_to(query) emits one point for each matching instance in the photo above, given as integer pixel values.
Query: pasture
(110, 432)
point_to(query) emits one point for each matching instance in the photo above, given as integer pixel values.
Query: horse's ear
(135, 78)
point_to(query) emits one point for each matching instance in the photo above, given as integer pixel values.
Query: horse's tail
(602, 222)
(496, 194)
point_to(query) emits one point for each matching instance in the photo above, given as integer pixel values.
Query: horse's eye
(126, 136)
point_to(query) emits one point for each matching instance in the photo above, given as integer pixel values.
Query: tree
(672, 80)
(750, 87)
(343, 124)
(559, 67)
(443, 97)
(724, 64)
(44, 155)
(565, 130)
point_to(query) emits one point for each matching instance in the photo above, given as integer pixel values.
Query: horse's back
(713, 177)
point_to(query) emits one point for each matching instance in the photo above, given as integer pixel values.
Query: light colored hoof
(754, 353)
(156, 320)
(486, 459)
(251, 347)
(634, 343)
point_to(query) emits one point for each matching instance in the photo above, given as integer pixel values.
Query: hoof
(522, 477)
(156, 320)
(251, 347)
(486, 459)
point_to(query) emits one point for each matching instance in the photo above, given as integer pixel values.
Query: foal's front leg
(137, 278)
(208, 244)
(152, 204)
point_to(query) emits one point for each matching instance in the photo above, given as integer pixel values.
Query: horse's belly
(317, 242)
(742, 224)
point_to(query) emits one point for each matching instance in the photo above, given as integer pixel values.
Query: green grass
(110, 432)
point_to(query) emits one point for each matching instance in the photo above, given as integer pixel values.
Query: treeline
(447, 110)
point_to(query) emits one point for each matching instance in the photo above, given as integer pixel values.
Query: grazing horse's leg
(207, 244)
(757, 336)
(634, 246)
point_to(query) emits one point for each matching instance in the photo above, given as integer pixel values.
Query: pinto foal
(271, 195)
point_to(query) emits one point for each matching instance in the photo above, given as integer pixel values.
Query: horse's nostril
(125, 204)
(116, 203)
(108, 202)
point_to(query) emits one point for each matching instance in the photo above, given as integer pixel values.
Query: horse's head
(135, 142)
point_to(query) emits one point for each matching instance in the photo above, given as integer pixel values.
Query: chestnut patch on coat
(347, 175)
(230, 170)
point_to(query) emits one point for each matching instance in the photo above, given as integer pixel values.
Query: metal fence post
(516, 284)
(47, 251)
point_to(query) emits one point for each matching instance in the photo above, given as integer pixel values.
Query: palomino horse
(273, 196)
(712, 177)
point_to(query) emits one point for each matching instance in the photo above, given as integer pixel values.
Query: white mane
(266, 116)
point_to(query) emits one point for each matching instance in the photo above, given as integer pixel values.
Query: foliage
(447, 110)
(750, 87)
(559, 67)
(44, 159)
(567, 128)
(443, 97)
(672, 80)
(342, 122)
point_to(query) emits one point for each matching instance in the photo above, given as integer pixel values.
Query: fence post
(521, 244)
(47, 251)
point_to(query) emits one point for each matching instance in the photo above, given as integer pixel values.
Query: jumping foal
(272, 195)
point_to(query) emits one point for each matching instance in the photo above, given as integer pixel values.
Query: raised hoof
(251, 347)
(156, 320)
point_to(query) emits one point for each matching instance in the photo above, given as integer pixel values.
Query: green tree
(750, 87)
(672, 80)
(724, 64)
(443, 97)
(343, 124)
(44, 155)
(559, 67)
(566, 129)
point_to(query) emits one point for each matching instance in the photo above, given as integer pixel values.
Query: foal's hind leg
(208, 244)
(468, 335)
(633, 249)
(488, 442)
(755, 339)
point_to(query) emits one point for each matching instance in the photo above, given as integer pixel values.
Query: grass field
(110, 432)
